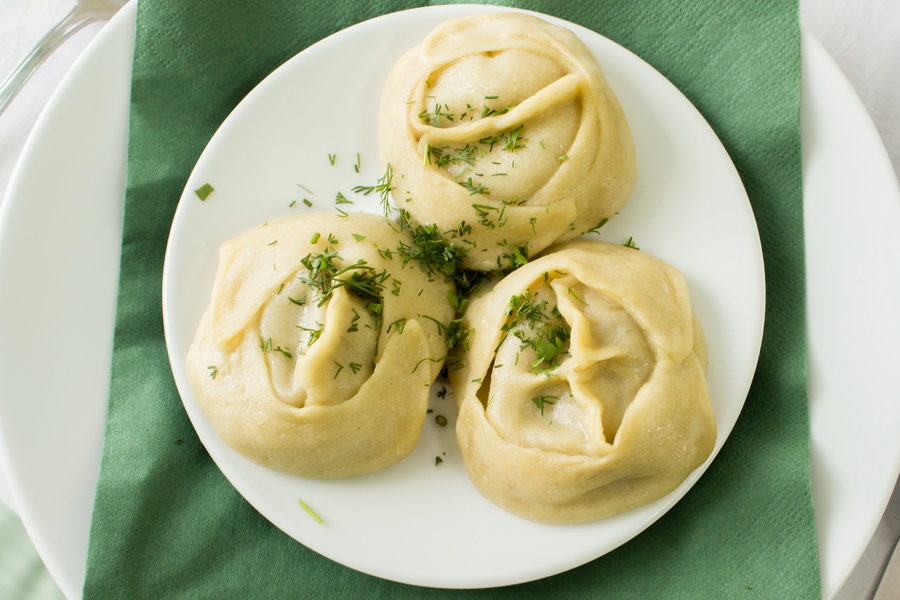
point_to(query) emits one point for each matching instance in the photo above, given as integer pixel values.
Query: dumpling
(502, 130)
(318, 349)
(583, 391)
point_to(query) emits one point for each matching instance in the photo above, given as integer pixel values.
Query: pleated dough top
(583, 391)
(502, 129)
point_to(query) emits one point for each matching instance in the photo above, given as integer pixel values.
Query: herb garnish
(541, 401)
(544, 331)
(311, 512)
(382, 187)
(204, 191)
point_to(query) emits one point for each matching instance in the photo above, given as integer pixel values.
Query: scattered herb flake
(310, 511)
(204, 191)
(541, 401)
(382, 187)
(596, 229)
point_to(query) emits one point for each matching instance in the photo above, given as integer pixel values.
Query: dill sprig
(542, 401)
(383, 187)
(537, 327)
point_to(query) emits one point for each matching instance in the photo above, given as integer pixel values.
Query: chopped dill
(541, 401)
(311, 512)
(204, 191)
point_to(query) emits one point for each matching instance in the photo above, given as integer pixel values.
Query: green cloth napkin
(168, 525)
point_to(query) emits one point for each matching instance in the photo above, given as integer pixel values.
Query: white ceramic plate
(689, 198)
(60, 222)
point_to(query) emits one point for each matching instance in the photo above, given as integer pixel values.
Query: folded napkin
(168, 525)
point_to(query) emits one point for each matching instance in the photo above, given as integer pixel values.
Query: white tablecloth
(861, 35)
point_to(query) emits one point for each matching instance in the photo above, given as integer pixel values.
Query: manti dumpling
(313, 357)
(583, 392)
(502, 130)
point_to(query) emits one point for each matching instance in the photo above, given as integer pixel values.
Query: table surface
(859, 34)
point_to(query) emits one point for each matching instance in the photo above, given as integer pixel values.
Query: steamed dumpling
(583, 391)
(502, 130)
(314, 357)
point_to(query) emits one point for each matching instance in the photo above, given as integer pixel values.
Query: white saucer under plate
(60, 223)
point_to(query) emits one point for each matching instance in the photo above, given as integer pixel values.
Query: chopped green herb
(204, 191)
(487, 111)
(574, 295)
(332, 158)
(512, 139)
(358, 237)
(546, 334)
(400, 323)
(382, 187)
(311, 512)
(596, 229)
(475, 187)
(307, 202)
(441, 420)
(314, 334)
(315, 238)
(629, 243)
(541, 401)
(266, 346)
(213, 371)
(434, 118)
